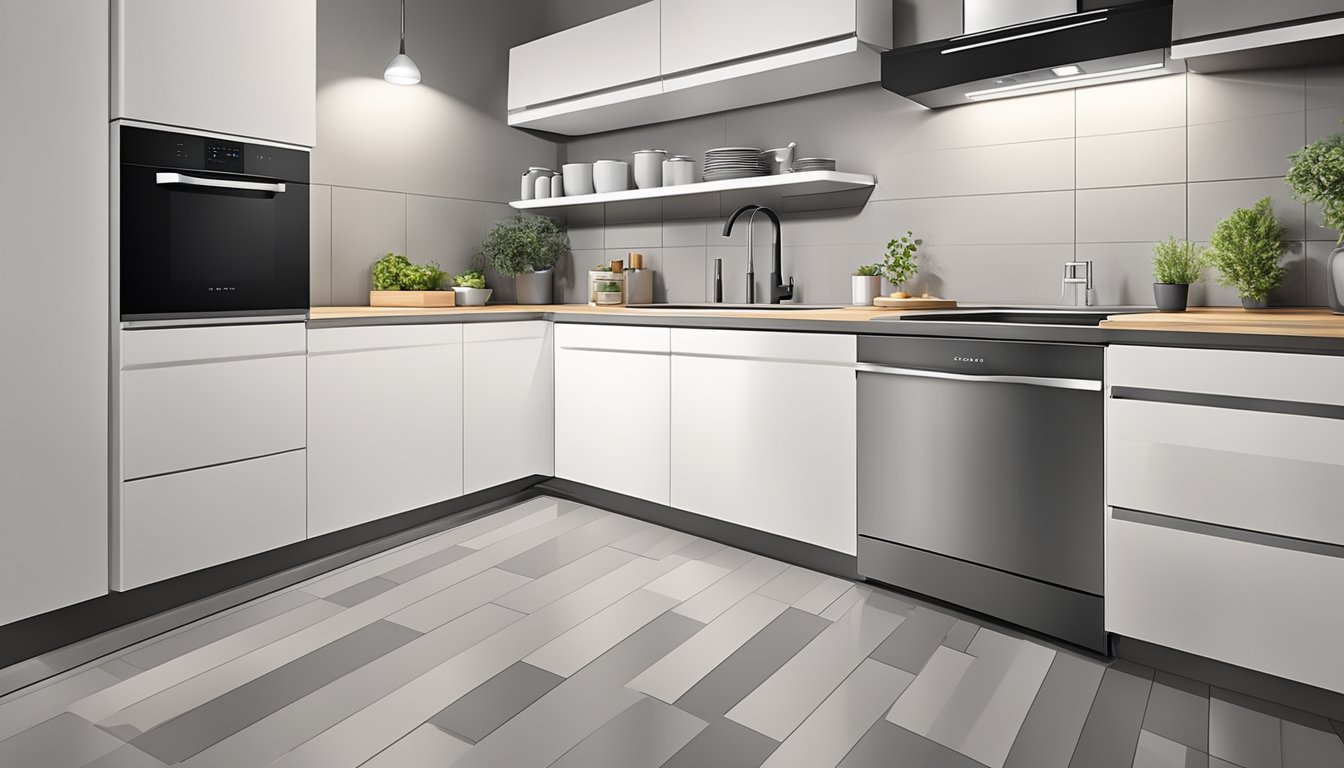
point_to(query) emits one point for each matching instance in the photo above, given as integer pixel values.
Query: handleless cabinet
(508, 395)
(1199, 18)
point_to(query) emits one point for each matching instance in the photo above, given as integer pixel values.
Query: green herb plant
(394, 272)
(470, 279)
(1177, 262)
(868, 270)
(608, 287)
(899, 263)
(1246, 248)
(525, 244)
(1317, 176)
(387, 272)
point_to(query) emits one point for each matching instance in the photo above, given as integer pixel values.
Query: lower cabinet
(612, 408)
(508, 419)
(384, 422)
(763, 432)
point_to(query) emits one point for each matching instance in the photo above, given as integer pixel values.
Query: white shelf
(789, 185)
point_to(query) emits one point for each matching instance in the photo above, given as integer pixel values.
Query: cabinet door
(703, 33)
(384, 422)
(763, 432)
(620, 49)
(612, 417)
(508, 419)
(246, 67)
(1196, 18)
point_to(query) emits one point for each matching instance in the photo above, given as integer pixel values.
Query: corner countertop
(1319, 323)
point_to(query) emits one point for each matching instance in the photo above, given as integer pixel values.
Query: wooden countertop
(1318, 323)
(846, 314)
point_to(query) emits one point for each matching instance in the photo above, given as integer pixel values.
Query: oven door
(200, 243)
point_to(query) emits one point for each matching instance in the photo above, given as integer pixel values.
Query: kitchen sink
(735, 307)
(1089, 316)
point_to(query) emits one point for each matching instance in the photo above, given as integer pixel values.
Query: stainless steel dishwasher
(980, 477)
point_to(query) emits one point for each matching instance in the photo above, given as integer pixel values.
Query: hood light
(1067, 71)
(1059, 83)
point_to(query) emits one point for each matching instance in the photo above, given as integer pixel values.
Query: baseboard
(36, 648)
(750, 539)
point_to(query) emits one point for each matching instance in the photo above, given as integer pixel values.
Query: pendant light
(401, 70)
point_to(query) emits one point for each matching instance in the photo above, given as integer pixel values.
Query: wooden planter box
(421, 299)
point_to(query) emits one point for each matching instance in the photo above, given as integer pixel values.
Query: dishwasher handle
(1088, 385)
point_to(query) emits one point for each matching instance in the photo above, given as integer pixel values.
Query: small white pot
(472, 297)
(864, 289)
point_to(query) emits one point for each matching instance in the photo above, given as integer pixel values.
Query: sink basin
(735, 307)
(1027, 316)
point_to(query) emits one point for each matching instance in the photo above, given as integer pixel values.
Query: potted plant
(1317, 176)
(527, 249)
(1176, 265)
(470, 289)
(1246, 248)
(899, 263)
(866, 285)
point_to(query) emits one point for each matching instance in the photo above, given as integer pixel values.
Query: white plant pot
(865, 289)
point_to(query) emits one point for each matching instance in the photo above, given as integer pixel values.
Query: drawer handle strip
(1087, 385)
(1227, 532)
(212, 466)
(1230, 402)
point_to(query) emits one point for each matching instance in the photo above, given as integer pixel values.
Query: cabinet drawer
(767, 345)
(1262, 375)
(1268, 608)
(184, 522)
(179, 417)
(613, 338)
(1184, 461)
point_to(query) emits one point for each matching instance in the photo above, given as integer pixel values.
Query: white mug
(557, 186)
(649, 168)
(542, 188)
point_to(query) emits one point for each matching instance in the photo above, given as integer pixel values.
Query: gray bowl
(472, 297)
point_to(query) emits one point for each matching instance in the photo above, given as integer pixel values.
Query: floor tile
(546, 514)
(752, 664)
(120, 669)
(1157, 752)
(565, 549)
(532, 597)
(791, 585)
(21, 713)
(844, 602)
(699, 549)
(64, 741)
(573, 650)
(668, 545)
(1050, 732)
(822, 595)
(687, 580)
(216, 628)
(830, 732)
(724, 744)
(887, 745)
(644, 736)
(707, 605)
(911, 645)
(496, 701)
(126, 756)
(1215, 762)
(1307, 746)
(729, 558)
(365, 590)
(431, 562)
(919, 707)
(1178, 709)
(467, 595)
(960, 635)
(1111, 733)
(1241, 733)
(783, 702)
(425, 747)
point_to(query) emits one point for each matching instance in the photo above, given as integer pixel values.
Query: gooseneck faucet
(779, 290)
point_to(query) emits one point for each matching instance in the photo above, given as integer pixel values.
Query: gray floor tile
(21, 713)
(960, 635)
(707, 605)
(431, 562)
(64, 741)
(920, 706)
(1050, 733)
(911, 645)
(828, 734)
(1311, 746)
(752, 664)
(126, 756)
(468, 595)
(729, 558)
(1157, 752)
(210, 723)
(821, 596)
(669, 545)
(1215, 762)
(699, 549)
(1178, 709)
(791, 585)
(887, 745)
(206, 632)
(1242, 732)
(724, 744)
(783, 702)
(688, 580)
(425, 747)
(531, 598)
(365, 590)
(496, 701)
(1111, 733)
(644, 736)
(546, 514)
(844, 602)
(574, 649)
(562, 550)
(640, 542)
(120, 669)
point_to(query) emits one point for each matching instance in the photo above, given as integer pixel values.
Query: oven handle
(196, 181)
(1089, 385)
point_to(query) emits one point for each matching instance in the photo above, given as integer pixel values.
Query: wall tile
(1241, 95)
(1211, 201)
(681, 275)
(447, 231)
(1324, 122)
(821, 273)
(365, 225)
(637, 235)
(319, 246)
(1138, 105)
(1315, 227)
(1324, 87)
(1131, 159)
(1131, 214)
(1027, 167)
(586, 227)
(1024, 273)
(1252, 148)
(1122, 272)
(688, 232)
(1040, 217)
(571, 281)
(694, 207)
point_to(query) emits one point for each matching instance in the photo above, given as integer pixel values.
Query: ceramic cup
(649, 168)
(781, 159)
(578, 178)
(678, 170)
(557, 186)
(611, 176)
(542, 188)
(530, 180)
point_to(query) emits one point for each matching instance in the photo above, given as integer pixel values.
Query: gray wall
(1003, 192)
(422, 170)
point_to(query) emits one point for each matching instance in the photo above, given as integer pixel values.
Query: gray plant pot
(1171, 297)
(1334, 280)
(1248, 303)
(535, 287)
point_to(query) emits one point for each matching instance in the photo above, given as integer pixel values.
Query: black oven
(210, 226)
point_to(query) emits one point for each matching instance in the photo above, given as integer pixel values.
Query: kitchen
(1028, 530)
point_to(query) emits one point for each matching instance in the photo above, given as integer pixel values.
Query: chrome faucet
(1071, 277)
(779, 291)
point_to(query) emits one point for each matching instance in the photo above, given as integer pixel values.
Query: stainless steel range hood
(1018, 47)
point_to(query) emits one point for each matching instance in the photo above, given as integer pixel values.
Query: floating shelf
(788, 184)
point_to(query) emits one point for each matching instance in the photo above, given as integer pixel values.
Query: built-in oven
(209, 226)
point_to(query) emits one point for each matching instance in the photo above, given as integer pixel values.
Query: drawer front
(356, 339)
(1182, 461)
(1263, 607)
(162, 346)
(184, 522)
(613, 338)
(186, 416)
(1263, 375)
(767, 345)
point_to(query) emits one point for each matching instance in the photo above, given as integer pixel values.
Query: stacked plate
(813, 164)
(734, 163)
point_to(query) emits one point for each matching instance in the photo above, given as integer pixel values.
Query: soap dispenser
(638, 281)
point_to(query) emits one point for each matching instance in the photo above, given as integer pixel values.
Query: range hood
(1018, 47)
(1300, 43)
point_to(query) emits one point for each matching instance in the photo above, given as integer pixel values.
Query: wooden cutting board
(419, 299)
(915, 302)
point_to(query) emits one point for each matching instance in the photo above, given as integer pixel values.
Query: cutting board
(915, 302)
(421, 299)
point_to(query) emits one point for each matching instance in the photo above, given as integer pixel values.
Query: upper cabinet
(244, 68)
(1198, 18)
(671, 59)
(1230, 35)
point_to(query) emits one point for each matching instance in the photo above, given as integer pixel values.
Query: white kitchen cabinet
(612, 408)
(53, 231)
(508, 418)
(763, 432)
(245, 67)
(384, 422)
(1198, 18)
